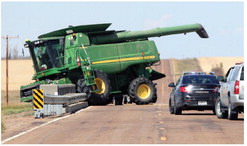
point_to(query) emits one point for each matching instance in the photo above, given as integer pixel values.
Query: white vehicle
(231, 94)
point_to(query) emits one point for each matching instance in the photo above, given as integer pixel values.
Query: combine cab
(102, 63)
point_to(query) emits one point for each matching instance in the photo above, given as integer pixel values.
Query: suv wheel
(232, 115)
(218, 110)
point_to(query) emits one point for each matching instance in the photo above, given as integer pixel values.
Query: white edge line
(22, 133)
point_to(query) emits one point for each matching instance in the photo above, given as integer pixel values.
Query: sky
(223, 21)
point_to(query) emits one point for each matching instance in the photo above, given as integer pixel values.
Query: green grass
(15, 109)
(2, 127)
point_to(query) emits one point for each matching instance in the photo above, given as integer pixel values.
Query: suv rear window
(200, 79)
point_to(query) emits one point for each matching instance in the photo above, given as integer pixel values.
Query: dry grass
(20, 73)
(203, 64)
(184, 65)
(16, 109)
(207, 63)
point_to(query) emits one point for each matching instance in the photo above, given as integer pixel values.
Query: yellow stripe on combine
(124, 59)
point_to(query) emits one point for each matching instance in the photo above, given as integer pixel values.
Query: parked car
(231, 94)
(195, 91)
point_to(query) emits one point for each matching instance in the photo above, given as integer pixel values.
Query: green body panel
(64, 56)
(80, 28)
(157, 32)
(117, 57)
(27, 99)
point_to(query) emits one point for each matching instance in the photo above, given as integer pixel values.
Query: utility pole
(7, 64)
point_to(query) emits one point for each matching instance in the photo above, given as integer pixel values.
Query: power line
(7, 63)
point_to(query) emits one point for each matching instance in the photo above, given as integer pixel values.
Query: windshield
(200, 79)
(48, 55)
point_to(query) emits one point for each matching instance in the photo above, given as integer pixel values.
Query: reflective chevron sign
(38, 99)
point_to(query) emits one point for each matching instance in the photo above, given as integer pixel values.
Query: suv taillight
(236, 87)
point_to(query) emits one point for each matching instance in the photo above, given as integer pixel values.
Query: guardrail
(53, 99)
(69, 98)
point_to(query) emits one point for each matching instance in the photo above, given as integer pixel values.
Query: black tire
(81, 87)
(142, 91)
(232, 115)
(99, 97)
(155, 97)
(177, 110)
(125, 100)
(171, 109)
(119, 100)
(218, 110)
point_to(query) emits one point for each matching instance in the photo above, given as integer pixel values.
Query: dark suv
(193, 92)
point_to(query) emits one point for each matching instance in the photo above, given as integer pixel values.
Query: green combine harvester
(101, 63)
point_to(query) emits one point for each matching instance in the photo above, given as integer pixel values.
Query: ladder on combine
(88, 75)
(87, 70)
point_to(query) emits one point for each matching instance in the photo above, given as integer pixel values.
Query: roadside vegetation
(184, 65)
(14, 104)
(15, 109)
(2, 127)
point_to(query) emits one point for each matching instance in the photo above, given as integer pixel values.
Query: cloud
(161, 22)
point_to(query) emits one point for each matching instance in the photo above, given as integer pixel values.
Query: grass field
(184, 65)
(203, 64)
(20, 73)
(207, 63)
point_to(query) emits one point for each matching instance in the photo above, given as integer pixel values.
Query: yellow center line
(163, 138)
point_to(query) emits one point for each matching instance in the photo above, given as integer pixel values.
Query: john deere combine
(102, 63)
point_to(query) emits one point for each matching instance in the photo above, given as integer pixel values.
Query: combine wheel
(81, 87)
(142, 91)
(103, 88)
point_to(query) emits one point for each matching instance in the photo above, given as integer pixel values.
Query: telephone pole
(7, 64)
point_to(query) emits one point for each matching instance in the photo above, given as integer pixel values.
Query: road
(137, 124)
(132, 124)
(163, 90)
